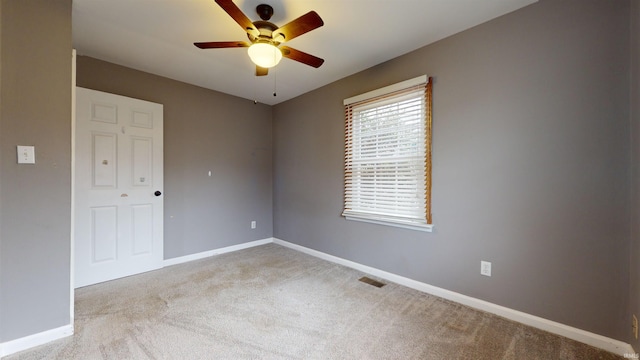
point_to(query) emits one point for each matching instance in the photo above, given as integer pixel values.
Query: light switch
(26, 154)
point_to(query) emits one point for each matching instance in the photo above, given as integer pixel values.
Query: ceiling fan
(265, 37)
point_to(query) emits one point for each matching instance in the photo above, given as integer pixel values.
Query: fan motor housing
(266, 29)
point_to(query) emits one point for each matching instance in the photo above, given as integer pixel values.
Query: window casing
(388, 155)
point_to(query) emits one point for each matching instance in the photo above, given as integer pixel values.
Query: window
(388, 155)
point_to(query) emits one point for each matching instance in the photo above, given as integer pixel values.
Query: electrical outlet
(253, 224)
(485, 268)
(634, 326)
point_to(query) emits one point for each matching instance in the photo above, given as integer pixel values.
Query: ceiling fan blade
(234, 11)
(302, 57)
(299, 26)
(221, 44)
(260, 71)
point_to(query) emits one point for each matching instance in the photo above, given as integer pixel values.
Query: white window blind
(388, 154)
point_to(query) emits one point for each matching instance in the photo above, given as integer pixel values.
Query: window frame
(382, 95)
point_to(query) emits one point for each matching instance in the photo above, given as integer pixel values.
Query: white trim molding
(425, 227)
(586, 337)
(206, 254)
(27, 342)
(72, 257)
(422, 79)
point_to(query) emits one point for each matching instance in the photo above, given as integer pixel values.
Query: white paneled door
(118, 187)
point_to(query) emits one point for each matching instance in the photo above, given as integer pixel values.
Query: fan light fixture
(265, 55)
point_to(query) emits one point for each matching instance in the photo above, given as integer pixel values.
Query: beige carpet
(271, 302)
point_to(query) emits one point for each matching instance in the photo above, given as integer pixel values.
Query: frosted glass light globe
(265, 55)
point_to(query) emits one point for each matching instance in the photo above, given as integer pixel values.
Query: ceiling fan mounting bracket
(264, 11)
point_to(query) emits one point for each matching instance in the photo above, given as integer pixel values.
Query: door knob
(157, 193)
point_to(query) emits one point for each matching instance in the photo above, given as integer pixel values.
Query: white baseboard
(27, 342)
(595, 340)
(206, 254)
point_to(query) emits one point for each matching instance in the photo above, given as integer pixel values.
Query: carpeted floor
(270, 302)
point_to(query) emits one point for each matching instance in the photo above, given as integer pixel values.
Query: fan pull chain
(255, 85)
(275, 79)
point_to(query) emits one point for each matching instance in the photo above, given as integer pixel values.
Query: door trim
(72, 266)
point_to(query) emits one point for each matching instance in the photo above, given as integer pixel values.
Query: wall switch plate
(634, 326)
(26, 154)
(253, 224)
(485, 268)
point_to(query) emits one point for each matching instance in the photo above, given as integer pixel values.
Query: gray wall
(203, 130)
(530, 166)
(635, 164)
(35, 207)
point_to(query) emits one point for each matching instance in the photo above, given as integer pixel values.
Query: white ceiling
(157, 36)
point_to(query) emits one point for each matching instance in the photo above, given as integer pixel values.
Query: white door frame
(72, 296)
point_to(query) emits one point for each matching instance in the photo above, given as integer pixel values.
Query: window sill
(425, 227)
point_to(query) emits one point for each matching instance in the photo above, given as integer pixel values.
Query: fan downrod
(265, 11)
